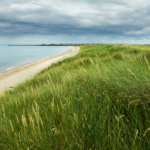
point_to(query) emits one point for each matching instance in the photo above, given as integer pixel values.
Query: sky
(74, 21)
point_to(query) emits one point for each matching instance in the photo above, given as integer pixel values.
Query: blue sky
(80, 21)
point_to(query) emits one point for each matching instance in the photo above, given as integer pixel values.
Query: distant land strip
(56, 44)
(67, 44)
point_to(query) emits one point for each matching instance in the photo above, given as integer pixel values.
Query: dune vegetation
(97, 99)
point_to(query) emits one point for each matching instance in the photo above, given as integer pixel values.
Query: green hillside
(98, 99)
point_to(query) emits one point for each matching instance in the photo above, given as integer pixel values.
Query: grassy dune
(98, 99)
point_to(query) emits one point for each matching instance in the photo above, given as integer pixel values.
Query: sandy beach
(11, 78)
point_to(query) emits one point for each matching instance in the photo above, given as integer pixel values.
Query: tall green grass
(98, 99)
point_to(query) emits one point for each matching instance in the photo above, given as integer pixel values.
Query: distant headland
(61, 44)
(66, 44)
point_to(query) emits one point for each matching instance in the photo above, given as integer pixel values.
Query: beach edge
(11, 78)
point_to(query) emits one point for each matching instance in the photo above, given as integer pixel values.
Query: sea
(14, 56)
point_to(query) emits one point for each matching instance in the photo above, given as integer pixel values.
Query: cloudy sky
(77, 21)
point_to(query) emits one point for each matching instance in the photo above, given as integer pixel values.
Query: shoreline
(11, 78)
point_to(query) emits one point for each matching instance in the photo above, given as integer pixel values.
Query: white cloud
(105, 17)
(145, 30)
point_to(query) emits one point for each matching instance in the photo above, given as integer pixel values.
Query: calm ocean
(14, 56)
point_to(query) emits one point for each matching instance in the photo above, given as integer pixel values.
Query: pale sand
(11, 78)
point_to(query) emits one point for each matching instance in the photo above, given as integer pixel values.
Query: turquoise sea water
(14, 56)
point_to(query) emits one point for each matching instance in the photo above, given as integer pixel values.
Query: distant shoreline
(11, 78)
(65, 44)
(61, 44)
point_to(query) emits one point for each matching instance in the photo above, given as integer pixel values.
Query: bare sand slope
(10, 78)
